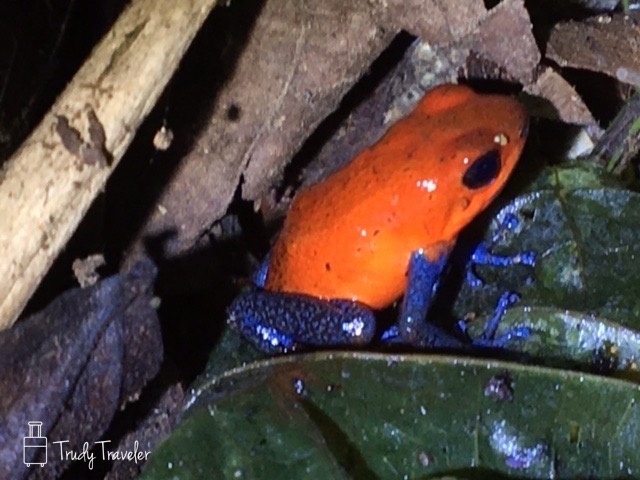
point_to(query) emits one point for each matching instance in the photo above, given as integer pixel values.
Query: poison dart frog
(383, 226)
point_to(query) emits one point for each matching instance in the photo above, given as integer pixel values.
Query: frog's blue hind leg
(487, 339)
(483, 256)
(281, 322)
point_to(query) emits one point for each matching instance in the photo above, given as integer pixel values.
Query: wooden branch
(49, 184)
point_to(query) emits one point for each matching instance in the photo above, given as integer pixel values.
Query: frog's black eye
(482, 171)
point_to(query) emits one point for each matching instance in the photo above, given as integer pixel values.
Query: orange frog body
(350, 240)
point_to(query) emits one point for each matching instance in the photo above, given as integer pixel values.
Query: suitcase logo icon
(35, 446)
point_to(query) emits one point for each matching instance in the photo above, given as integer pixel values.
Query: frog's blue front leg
(281, 322)
(422, 282)
(413, 328)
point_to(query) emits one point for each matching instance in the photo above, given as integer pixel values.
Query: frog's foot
(283, 322)
(487, 339)
(433, 337)
(483, 256)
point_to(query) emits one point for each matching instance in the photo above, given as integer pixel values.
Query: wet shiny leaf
(588, 254)
(348, 415)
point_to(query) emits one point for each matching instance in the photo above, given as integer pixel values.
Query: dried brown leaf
(607, 43)
(299, 61)
(72, 365)
(564, 103)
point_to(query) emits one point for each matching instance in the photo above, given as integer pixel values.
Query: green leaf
(351, 415)
(582, 300)
(588, 254)
(572, 339)
(573, 176)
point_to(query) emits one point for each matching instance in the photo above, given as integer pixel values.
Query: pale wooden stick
(49, 184)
